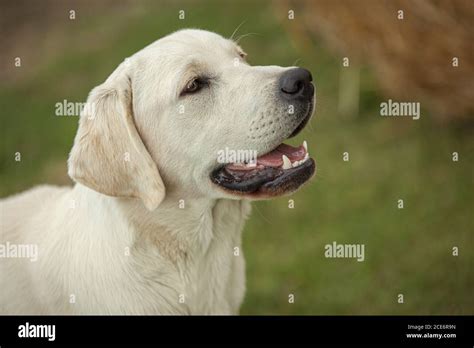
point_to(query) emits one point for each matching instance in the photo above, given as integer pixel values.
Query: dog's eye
(194, 86)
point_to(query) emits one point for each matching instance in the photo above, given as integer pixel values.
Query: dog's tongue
(274, 158)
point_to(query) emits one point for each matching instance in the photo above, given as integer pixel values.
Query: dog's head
(187, 112)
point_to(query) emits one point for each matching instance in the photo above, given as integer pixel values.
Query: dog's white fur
(118, 242)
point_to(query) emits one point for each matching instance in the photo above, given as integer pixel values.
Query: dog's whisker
(244, 35)
(236, 29)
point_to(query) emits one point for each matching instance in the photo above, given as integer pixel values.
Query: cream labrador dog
(153, 224)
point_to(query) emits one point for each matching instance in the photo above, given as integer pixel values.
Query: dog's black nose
(296, 84)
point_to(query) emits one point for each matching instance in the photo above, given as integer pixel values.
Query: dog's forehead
(203, 39)
(193, 42)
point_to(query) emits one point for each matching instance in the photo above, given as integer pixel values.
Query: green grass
(408, 251)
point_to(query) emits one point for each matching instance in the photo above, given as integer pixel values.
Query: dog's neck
(190, 225)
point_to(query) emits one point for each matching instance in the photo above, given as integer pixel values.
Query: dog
(153, 224)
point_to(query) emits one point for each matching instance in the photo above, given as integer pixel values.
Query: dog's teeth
(305, 145)
(251, 164)
(296, 164)
(286, 162)
(306, 157)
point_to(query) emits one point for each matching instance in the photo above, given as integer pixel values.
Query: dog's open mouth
(282, 170)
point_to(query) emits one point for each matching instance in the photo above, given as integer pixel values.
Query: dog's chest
(202, 273)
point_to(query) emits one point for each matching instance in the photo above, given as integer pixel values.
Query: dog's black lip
(248, 181)
(290, 180)
(267, 182)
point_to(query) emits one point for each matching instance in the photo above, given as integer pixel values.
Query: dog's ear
(108, 154)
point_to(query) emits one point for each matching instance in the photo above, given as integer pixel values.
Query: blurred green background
(407, 251)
